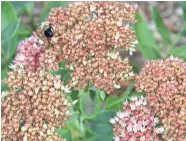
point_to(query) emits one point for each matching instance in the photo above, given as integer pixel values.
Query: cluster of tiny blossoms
(29, 52)
(32, 82)
(164, 83)
(34, 106)
(89, 36)
(136, 122)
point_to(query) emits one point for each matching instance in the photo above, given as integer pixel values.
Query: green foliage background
(91, 114)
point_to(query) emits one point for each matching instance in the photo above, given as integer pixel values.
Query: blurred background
(160, 31)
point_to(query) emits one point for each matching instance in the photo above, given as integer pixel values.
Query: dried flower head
(136, 122)
(164, 83)
(34, 107)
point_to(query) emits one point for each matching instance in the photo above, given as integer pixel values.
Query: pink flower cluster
(136, 122)
(89, 36)
(164, 83)
(29, 52)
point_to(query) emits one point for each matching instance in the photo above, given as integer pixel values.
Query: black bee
(49, 31)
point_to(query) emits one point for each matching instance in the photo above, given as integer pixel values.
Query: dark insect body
(48, 32)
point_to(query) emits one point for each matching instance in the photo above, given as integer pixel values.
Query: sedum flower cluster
(34, 106)
(137, 122)
(88, 35)
(164, 83)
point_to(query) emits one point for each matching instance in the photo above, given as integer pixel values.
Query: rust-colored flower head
(164, 83)
(89, 36)
(34, 106)
(136, 122)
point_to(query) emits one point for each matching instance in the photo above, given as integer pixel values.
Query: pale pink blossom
(29, 52)
(136, 122)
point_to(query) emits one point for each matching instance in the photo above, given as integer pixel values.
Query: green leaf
(8, 15)
(147, 43)
(64, 133)
(81, 92)
(29, 7)
(90, 104)
(102, 94)
(62, 64)
(48, 6)
(179, 51)
(103, 117)
(108, 137)
(113, 102)
(10, 31)
(136, 94)
(77, 126)
(183, 5)
(8, 49)
(64, 72)
(4, 71)
(89, 134)
(23, 32)
(101, 126)
(73, 94)
(4, 87)
(9, 27)
(162, 29)
(19, 5)
(25, 7)
(74, 97)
